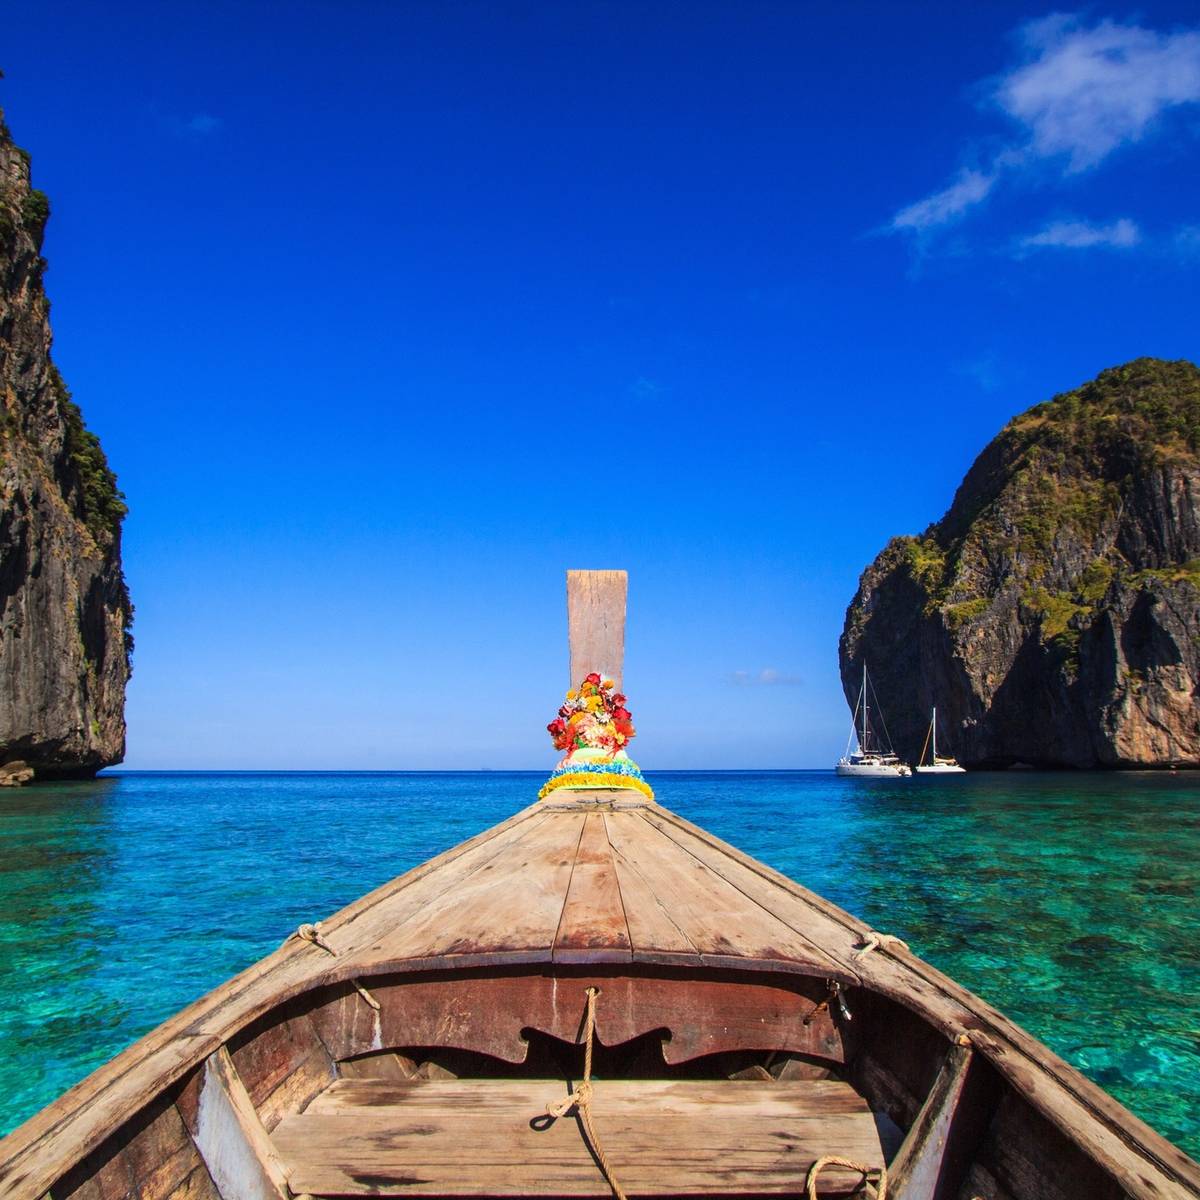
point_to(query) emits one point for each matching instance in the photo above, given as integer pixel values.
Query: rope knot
(873, 940)
(312, 934)
(581, 1098)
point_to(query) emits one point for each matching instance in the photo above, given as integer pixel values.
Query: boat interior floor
(495, 1137)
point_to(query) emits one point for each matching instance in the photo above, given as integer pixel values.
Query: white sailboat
(865, 762)
(936, 765)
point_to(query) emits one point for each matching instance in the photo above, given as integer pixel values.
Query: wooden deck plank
(505, 909)
(808, 928)
(593, 927)
(652, 930)
(661, 1137)
(710, 911)
(811, 1097)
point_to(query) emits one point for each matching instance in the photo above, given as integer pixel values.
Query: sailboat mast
(933, 726)
(863, 746)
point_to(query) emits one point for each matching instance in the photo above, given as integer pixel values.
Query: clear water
(1069, 901)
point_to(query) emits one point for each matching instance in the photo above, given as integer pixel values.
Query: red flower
(592, 678)
(556, 727)
(565, 711)
(622, 714)
(618, 699)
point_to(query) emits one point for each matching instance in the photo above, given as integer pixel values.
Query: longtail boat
(594, 997)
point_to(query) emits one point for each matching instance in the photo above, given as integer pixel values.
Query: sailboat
(936, 765)
(866, 762)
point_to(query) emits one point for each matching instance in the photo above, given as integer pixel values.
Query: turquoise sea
(1070, 901)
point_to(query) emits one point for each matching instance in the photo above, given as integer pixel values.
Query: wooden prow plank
(924, 1166)
(232, 1140)
(596, 623)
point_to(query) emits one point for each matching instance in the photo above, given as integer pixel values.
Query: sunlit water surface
(1069, 901)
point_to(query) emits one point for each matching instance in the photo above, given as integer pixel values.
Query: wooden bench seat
(478, 1137)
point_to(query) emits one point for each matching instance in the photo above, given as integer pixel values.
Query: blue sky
(389, 313)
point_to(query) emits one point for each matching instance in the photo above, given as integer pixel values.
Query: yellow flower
(572, 694)
(575, 718)
(609, 685)
(593, 703)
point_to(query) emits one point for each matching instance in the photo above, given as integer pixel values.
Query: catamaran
(866, 762)
(937, 765)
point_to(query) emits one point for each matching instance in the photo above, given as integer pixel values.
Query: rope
(312, 933)
(832, 1160)
(871, 940)
(581, 1098)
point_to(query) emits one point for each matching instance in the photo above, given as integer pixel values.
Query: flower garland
(616, 774)
(594, 717)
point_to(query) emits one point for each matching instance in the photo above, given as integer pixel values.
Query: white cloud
(1187, 239)
(767, 677)
(1080, 93)
(644, 389)
(969, 188)
(985, 370)
(1080, 235)
(203, 123)
(1085, 92)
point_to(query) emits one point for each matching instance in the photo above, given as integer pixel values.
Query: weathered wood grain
(592, 927)
(805, 1098)
(231, 1139)
(509, 910)
(662, 1138)
(719, 919)
(703, 1013)
(921, 1169)
(596, 623)
(283, 1065)
(391, 1067)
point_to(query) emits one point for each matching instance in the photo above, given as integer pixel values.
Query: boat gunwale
(96, 1107)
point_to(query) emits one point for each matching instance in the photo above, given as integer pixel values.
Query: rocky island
(64, 608)
(1053, 614)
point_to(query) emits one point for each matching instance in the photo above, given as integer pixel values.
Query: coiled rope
(313, 934)
(581, 1098)
(832, 1160)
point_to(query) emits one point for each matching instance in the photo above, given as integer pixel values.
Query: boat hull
(716, 980)
(941, 769)
(873, 770)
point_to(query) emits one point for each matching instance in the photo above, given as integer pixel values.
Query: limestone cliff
(1053, 614)
(64, 608)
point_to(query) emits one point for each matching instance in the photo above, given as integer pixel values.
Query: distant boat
(868, 761)
(936, 765)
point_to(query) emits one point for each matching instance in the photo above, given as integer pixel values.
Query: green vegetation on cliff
(103, 502)
(83, 471)
(1059, 473)
(1053, 613)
